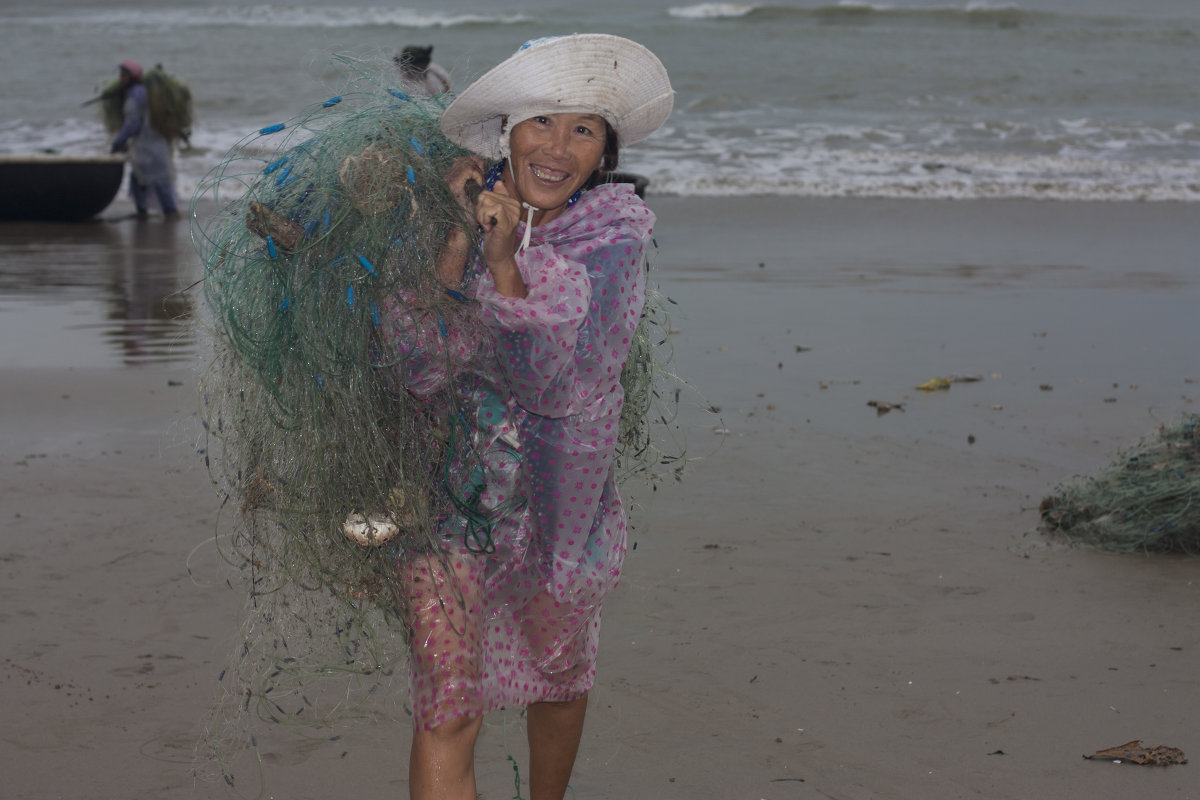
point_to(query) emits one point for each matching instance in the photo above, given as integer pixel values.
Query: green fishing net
(1146, 501)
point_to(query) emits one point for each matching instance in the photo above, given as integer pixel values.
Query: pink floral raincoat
(509, 613)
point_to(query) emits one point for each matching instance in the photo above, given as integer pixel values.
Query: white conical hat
(584, 73)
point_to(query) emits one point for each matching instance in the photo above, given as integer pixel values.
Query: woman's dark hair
(612, 149)
(608, 161)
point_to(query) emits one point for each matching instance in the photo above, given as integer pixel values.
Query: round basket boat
(59, 188)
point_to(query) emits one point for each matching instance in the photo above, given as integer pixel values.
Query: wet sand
(833, 603)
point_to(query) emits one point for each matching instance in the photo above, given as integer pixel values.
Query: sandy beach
(833, 603)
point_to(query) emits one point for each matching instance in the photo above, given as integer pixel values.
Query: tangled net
(325, 225)
(168, 99)
(1147, 500)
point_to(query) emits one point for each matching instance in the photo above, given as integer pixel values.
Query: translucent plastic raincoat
(508, 613)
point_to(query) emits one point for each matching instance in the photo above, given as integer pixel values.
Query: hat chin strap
(528, 226)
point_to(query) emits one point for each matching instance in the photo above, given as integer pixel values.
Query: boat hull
(57, 187)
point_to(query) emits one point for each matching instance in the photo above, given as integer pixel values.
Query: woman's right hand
(452, 259)
(498, 214)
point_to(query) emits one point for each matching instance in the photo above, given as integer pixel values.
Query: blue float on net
(367, 265)
(272, 129)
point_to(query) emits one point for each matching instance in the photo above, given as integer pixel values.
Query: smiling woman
(552, 156)
(556, 274)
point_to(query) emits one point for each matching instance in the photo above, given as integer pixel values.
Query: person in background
(149, 151)
(418, 73)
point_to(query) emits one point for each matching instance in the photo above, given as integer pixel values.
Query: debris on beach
(1146, 500)
(882, 407)
(1133, 753)
(943, 384)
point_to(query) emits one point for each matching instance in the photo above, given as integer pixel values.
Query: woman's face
(552, 156)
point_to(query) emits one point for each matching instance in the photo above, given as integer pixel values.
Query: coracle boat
(58, 188)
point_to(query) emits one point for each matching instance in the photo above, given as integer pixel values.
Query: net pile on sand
(1147, 500)
(327, 229)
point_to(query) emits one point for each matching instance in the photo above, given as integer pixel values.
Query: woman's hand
(498, 214)
(452, 259)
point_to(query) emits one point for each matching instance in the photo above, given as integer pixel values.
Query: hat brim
(584, 73)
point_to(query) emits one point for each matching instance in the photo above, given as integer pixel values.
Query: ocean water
(1055, 99)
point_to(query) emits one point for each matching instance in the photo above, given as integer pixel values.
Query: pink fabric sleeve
(536, 335)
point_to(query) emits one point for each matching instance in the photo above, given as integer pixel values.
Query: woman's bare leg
(554, 731)
(441, 764)
(443, 599)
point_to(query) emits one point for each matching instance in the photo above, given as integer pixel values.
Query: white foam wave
(254, 16)
(817, 161)
(68, 136)
(712, 10)
(863, 5)
(982, 6)
(853, 173)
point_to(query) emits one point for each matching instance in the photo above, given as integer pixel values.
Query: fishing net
(326, 227)
(168, 98)
(1147, 500)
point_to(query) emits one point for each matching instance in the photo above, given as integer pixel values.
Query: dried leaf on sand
(1160, 755)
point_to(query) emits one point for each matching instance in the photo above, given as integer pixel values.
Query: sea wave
(712, 10)
(273, 16)
(1002, 14)
(819, 161)
(834, 173)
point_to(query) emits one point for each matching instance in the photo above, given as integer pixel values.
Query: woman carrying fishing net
(557, 277)
(433, 354)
